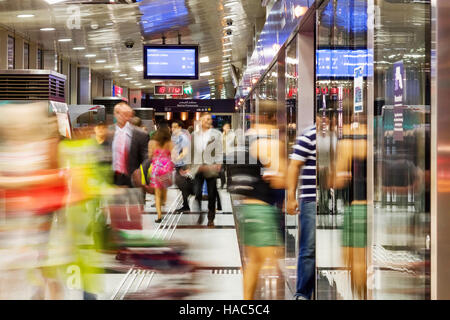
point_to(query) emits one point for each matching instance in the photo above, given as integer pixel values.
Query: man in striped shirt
(303, 158)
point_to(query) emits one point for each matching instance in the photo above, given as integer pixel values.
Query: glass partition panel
(401, 227)
(291, 222)
(393, 261)
(342, 66)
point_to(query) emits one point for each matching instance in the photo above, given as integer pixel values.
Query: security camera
(229, 32)
(229, 22)
(129, 44)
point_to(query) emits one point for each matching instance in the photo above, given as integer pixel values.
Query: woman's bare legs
(257, 256)
(158, 196)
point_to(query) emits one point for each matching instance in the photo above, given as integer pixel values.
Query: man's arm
(292, 182)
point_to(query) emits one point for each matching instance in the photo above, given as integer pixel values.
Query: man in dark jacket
(129, 146)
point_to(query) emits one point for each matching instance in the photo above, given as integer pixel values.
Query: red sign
(173, 90)
(117, 91)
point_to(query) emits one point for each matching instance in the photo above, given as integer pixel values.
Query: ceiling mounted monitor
(172, 62)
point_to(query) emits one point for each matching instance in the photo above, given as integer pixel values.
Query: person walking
(206, 148)
(255, 181)
(160, 149)
(303, 158)
(129, 146)
(229, 143)
(181, 145)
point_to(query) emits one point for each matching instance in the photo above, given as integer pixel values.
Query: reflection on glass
(395, 263)
(341, 235)
(291, 222)
(401, 147)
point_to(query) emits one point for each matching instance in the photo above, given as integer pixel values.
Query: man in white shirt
(207, 157)
(129, 146)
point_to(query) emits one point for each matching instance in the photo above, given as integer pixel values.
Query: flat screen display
(170, 62)
(342, 62)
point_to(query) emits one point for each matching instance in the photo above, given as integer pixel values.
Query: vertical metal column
(440, 150)
(84, 85)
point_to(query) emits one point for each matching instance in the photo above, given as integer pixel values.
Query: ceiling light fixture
(230, 16)
(100, 61)
(54, 1)
(65, 40)
(47, 29)
(205, 74)
(90, 55)
(107, 48)
(204, 59)
(79, 48)
(25, 15)
(300, 11)
(128, 78)
(115, 71)
(122, 75)
(139, 68)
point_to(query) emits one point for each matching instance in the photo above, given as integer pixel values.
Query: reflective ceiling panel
(102, 29)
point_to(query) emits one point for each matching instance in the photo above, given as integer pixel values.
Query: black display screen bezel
(180, 47)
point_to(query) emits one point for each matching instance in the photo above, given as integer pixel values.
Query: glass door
(401, 218)
(373, 149)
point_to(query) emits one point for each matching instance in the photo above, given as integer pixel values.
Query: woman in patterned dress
(160, 149)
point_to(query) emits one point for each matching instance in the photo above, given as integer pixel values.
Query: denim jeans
(306, 259)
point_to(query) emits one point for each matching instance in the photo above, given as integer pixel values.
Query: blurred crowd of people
(54, 194)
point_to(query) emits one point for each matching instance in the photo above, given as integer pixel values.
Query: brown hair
(162, 135)
(136, 121)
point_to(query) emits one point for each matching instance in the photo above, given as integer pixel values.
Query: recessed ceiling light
(204, 74)
(54, 1)
(228, 44)
(79, 48)
(109, 23)
(204, 59)
(47, 29)
(230, 16)
(228, 55)
(107, 48)
(128, 78)
(225, 50)
(100, 61)
(229, 4)
(115, 71)
(90, 55)
(25, 15)
(139, 68)
(65, 40)
(109, 67)
(123, 75)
